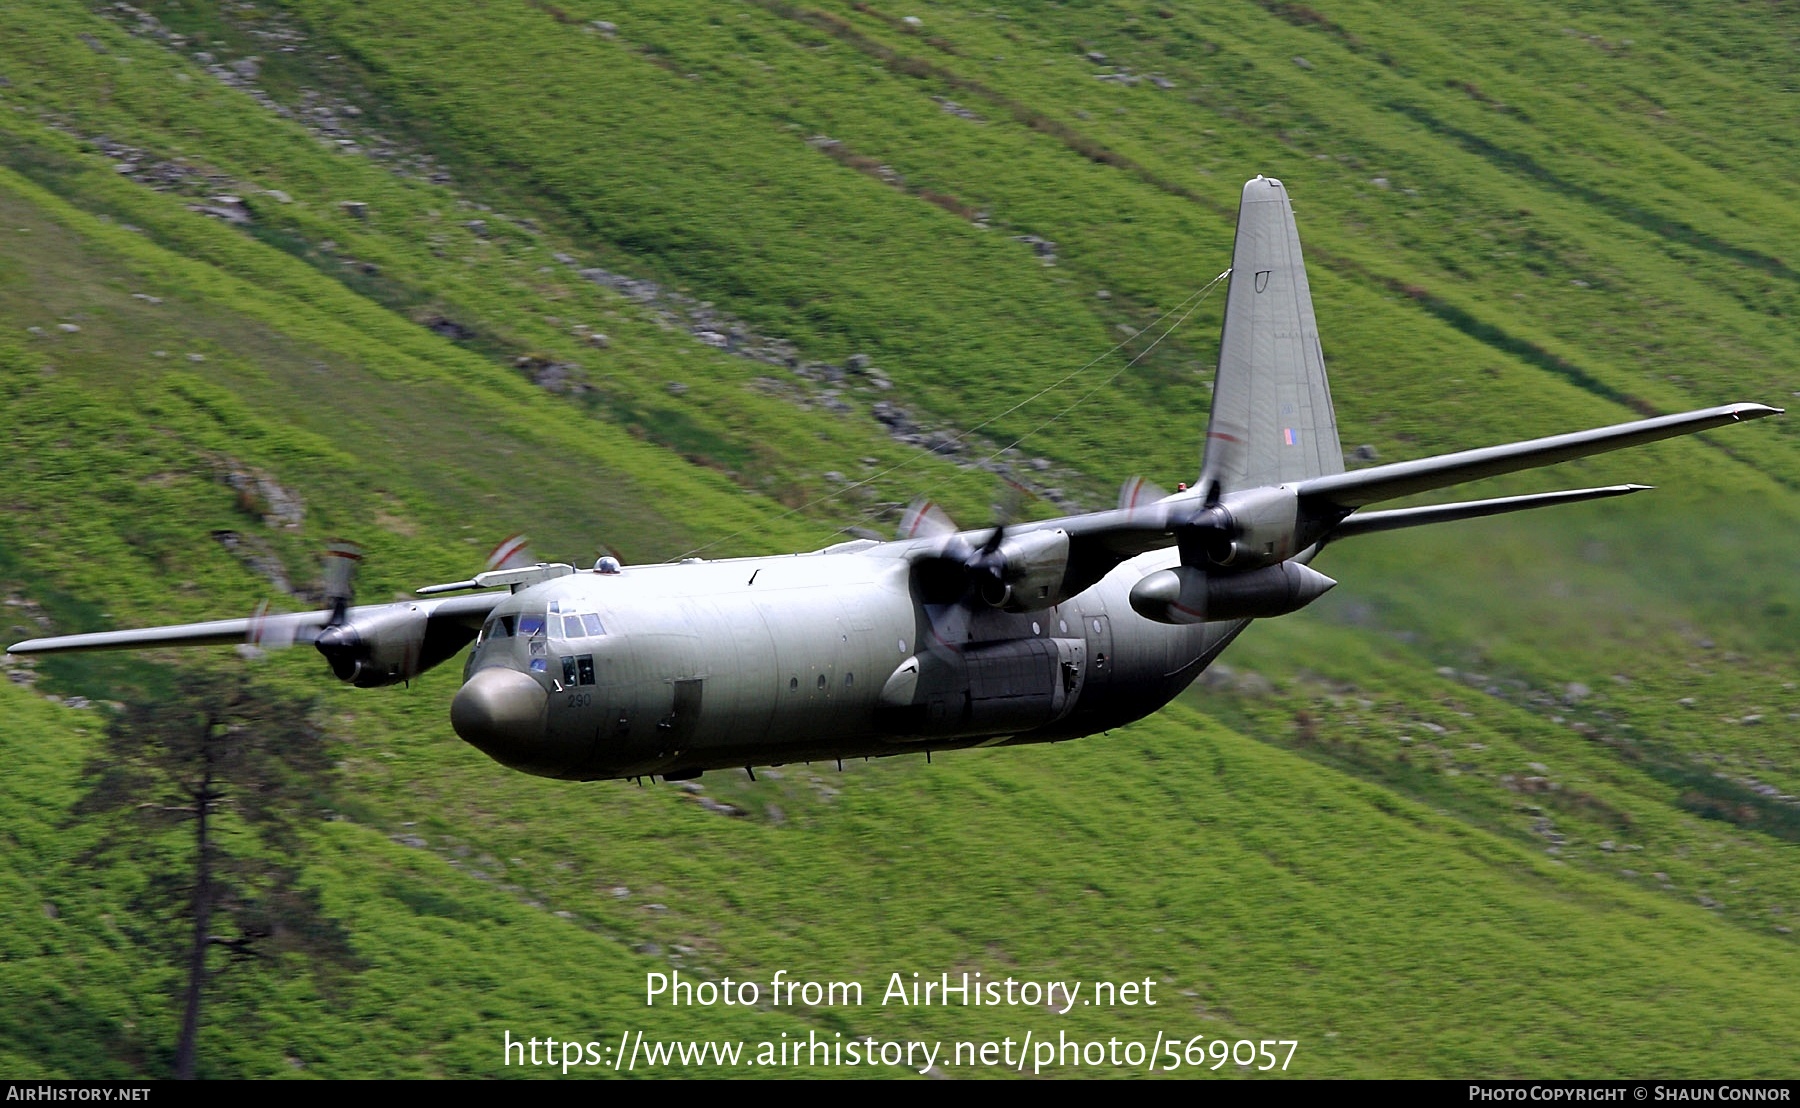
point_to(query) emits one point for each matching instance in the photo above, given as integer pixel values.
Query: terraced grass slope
(1514, 800)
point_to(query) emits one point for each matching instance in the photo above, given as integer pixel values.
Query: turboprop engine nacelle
(379, 646)
(1027, 572)
(1187, 594)
(1257, 527)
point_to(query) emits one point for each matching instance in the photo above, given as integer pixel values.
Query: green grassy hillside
(1516, 799)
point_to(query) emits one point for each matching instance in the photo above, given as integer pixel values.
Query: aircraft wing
(1368, 486)
(450, 616)
(1369, 523)
(1100, 540)
(217, 632)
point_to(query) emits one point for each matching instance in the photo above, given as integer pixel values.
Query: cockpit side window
(591, 623)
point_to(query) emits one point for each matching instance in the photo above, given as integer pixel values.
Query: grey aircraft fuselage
(703, 665)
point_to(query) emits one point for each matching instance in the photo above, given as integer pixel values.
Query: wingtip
(1755, 411)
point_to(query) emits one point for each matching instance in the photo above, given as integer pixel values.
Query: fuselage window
(585, 664)
(568, 668)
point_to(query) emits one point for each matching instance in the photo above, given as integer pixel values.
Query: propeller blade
(270, 630)
(512, 553)
(923, 519)
(953, 579)
(1011, 506)
(992, 543)
(1137, 493)
(341, 559)
(267, 629)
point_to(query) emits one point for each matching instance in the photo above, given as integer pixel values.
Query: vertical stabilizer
(1272, 420)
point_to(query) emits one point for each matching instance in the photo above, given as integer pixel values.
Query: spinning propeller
(325, 630)
(1209, 533)
(960, 571)
(341, 645)
(1015, 569)
(1206, 532)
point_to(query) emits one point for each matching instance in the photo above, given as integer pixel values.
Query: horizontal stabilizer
(1367, 523)
(1369, 486)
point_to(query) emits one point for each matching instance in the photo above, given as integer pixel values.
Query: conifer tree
(245, 768)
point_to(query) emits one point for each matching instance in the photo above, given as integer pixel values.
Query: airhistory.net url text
(1028, 1054)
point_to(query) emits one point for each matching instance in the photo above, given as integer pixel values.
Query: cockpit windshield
(567, 621)
(563, 620)
(497, 627)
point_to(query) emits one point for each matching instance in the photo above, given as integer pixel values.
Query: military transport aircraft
(944, 638)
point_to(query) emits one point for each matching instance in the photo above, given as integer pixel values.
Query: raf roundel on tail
(943, 638)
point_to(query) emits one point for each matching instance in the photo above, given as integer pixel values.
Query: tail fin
(1272, 420)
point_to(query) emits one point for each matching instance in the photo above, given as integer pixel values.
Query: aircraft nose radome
(500, 712)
